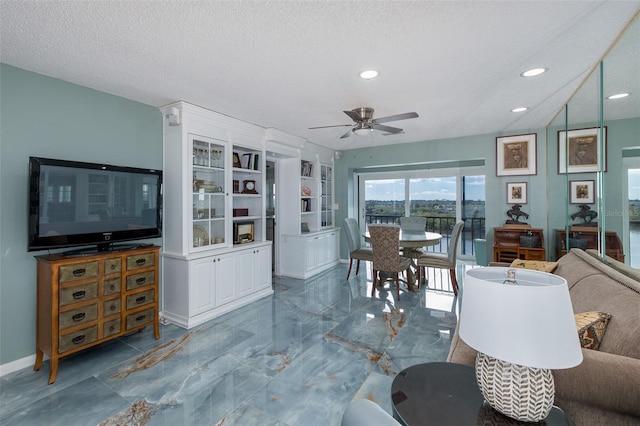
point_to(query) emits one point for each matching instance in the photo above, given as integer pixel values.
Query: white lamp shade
(530, 323)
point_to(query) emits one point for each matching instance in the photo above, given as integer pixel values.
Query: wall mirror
(590, 142)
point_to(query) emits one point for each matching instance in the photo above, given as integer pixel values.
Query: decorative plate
(306, 190)
(200, 236)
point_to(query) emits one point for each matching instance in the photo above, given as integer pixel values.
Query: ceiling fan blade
(326, 127)
(355, 116)
(346, 135)
(398, 117)
(387, 129)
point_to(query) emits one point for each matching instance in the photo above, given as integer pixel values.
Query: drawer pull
(141, 299)
(79, 294)
(141, 318)
(79, 317)
(78, 339)
(140, 281)
(79, 272)
(112, 328)
(140, 262)
(112, 307)
(113, 266)
(112, 287)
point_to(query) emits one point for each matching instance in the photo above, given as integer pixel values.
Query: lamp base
(522, 393)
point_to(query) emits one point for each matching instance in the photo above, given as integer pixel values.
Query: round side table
(445, 393)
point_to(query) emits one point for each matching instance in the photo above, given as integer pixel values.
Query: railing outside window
(473, 229)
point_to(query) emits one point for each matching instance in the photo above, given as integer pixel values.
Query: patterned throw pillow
(591, 327)
(536, 265)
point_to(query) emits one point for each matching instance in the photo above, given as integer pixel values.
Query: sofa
(605, 388)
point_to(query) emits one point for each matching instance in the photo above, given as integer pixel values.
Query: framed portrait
(516, 155)
(517, 193)
(579, 150)
(581, 191)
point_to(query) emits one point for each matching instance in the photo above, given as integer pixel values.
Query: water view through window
(442, 200)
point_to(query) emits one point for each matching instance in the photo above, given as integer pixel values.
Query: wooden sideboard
(86, 300)
(590, 235)
(507, 247)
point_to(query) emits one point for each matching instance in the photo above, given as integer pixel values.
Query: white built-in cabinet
(310, 242)
(215, 253)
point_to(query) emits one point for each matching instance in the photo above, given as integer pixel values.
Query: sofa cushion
(591, 327)
(536, 265)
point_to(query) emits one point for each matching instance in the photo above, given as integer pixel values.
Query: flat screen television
(73, 203)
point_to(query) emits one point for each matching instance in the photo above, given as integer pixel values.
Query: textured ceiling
(292, 65)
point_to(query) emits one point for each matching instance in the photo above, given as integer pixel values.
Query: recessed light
(369, 74)
(533, 72)
(520, 109)
(619, 95)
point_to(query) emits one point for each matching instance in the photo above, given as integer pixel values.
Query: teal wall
(42, 116)
(546, 190)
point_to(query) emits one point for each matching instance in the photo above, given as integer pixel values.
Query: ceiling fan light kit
(364, 123)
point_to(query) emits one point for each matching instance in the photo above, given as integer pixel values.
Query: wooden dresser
(83, 301)
(507, 247)
(590, 235)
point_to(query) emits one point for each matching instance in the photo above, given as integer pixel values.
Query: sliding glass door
(632, 165)
(442, 196)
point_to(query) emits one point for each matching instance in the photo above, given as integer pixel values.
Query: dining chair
(443, 260)
(356, 250)
(413, 223)
(385, 240)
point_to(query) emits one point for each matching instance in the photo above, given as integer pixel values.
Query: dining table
(409, 240)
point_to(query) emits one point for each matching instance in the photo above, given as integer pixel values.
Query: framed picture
(579, 151)
(236, 160)
(517, 193)
(581, 192)
(242, 232)
(516, 155)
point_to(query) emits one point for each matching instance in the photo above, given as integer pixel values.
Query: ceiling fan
(365, 123)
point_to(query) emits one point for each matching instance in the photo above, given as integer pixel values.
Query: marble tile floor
(295, 358)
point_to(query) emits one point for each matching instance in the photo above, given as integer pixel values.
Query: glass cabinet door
(208, 170)
(326, 208)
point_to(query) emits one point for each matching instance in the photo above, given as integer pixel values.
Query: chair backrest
(353, 234)
(385, 240)
(413, 223)
(453, 241)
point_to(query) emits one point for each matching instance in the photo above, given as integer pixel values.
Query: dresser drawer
(112, 286)
(78, 271)
(140, 299)
(140, 280)
(111, 327)
(141, 318)
(111, 307)
(78, 293)
(112, 266)
(78, 338)
(78, 316)
(140, 261)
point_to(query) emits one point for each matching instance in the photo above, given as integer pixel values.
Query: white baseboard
(18, 364)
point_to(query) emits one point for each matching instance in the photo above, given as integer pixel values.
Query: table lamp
(521, 322)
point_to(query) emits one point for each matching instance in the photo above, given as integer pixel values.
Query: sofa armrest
(604, 380)
(460, 352)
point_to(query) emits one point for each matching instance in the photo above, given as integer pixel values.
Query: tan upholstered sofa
(605, 388)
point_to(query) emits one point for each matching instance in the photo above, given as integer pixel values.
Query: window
(443, 196)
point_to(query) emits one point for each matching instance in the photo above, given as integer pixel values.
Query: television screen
(74, 203)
